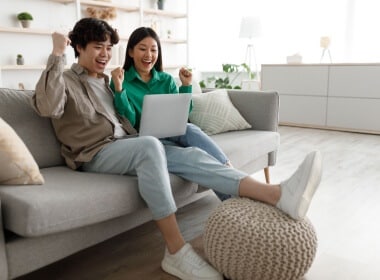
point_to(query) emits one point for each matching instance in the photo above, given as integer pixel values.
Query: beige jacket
(81, 123)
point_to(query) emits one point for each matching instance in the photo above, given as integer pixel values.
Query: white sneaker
(186, 264)
(298, 190)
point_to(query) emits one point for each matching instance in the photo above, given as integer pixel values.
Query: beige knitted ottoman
(250, 240)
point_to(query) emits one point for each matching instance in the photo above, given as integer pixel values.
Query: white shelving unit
(139, 12)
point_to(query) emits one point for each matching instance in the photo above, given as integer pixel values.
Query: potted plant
(232, 71)
(25, 18)
(20, 59)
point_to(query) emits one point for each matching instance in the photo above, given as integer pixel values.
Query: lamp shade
(250, 27)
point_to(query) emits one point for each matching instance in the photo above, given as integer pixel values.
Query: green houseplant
(25, 18)
(232, 72)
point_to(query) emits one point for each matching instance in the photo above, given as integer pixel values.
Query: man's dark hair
(89, 30)
(138, 35)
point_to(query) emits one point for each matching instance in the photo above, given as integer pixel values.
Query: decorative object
(103, 13)
(25, 19)
(250, 240)
(17, 166)
(160, 4)
(325, 42)
(250, 27)
(294, 59)
(20, 59)
(168, 34)
(214, 113)
(228, 80)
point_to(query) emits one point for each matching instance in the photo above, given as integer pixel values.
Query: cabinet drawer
(354, 113)
(297, 80)
(355, 81)
(310, 110)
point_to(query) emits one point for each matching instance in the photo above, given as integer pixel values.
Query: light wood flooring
(345, 212)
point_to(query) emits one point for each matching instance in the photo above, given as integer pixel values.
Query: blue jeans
(195, 137)
(152, 161)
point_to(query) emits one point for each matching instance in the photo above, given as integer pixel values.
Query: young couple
(92, 132)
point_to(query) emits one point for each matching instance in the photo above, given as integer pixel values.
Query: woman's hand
(185, 76)
(117, 76)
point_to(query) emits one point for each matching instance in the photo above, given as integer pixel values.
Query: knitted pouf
(246, 239)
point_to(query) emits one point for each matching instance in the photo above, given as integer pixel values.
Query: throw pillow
(17, 165)
(214, 113)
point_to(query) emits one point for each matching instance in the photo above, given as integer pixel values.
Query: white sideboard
(332, 96)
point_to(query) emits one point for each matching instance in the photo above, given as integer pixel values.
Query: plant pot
(25, 23)
(20, 61)
(160, 5)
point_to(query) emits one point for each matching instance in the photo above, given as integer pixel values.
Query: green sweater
(128, 102)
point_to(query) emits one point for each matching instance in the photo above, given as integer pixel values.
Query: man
(94, 138)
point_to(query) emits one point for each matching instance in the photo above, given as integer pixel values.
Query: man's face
(95, 56)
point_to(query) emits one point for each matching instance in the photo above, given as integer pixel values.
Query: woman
(142, 74)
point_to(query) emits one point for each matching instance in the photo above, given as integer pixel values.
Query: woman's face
(144, 55)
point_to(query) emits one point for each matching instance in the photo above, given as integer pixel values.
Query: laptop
(164, 115)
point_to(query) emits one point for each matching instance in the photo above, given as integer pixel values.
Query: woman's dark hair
(140, 34)
(89, 30)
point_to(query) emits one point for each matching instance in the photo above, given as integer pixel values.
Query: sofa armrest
(259, 108)
(3, 256)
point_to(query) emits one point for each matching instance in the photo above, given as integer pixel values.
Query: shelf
(174, 41)
(25, 30)
(164, 13)
(42, 67)
(26, 67)
(125, 8)
(49, 32)
(102, 4)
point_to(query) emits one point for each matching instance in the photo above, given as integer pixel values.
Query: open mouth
(147, 62)
(101, 62)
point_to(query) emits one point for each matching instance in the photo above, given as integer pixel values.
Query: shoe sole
(173, 271)
(312, 184)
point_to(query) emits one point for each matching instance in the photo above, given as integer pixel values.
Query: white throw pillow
(214, 113)
(17, 165)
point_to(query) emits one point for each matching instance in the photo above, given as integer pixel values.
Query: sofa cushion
(17, 165)
(214, 113)
(36, 132)
(72, 199)
(243, 147)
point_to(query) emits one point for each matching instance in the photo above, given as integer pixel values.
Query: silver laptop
(164, 115)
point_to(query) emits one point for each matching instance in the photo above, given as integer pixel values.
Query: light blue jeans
(195, 137)
(152, 160)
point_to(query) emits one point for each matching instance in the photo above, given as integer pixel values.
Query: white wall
(288, 27)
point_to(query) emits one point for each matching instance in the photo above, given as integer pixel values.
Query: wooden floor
(345, 212)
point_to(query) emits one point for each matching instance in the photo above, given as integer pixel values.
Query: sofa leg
(266, 172)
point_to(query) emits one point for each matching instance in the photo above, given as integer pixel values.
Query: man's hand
(60, 42)
(185, 76)
(118, 78)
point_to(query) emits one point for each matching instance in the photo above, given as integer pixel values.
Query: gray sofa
(74, 210)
